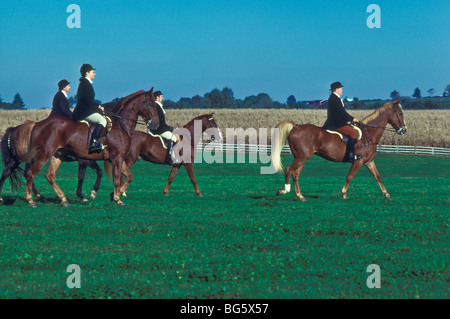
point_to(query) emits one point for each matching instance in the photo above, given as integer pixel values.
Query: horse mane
(377, 112)
(125, 100)
(196, 118)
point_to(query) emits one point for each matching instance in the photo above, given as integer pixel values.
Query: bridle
(367, 137)
(137, 121)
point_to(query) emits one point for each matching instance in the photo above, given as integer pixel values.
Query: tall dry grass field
(425, 127)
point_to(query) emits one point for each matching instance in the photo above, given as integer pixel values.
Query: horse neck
(191, 128)
(380, 121)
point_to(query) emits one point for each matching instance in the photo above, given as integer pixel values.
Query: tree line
(224, 99)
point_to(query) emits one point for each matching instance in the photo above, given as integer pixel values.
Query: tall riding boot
(350, 151)
(94, 145)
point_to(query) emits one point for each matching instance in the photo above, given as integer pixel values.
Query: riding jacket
(337, 116)
(163, 127)
(61, 106)
(86, 104)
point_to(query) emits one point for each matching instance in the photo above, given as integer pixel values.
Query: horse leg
(7, 171)
(172, 174)
(117, 176)
(129, 178)
(288, 171)
(82, 164)
(98, 170)
(36, 192)
(31, 173)
(295, 176)
(353, 169)
(373, 169)
(53, 166)
(190, 170)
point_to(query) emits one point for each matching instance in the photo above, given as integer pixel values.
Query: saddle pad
(85, 122)
(342, 137)
(160, 138)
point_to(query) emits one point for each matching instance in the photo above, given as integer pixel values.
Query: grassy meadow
(425, 127)
(239, 240)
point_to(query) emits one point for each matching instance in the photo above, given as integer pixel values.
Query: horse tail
(284, 128)
(22, 142)
(15, 149)
(108, 169)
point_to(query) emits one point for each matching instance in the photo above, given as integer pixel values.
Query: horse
(54, 133)
(150, 148)
(307, 140)
(11, 155)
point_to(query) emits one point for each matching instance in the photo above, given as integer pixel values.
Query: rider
(87, 108)
(338, 120)
(164, 130)
(60, 104)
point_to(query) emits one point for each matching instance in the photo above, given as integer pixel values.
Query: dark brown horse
(149, 148)
(54, 133)
(11, 156)
(307, 140)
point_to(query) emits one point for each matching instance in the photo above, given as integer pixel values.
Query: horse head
(211, 126)
(150, 112)
(397, 119)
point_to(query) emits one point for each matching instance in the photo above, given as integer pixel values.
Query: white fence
(388, 149)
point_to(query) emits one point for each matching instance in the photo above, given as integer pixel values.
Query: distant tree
(72, 101)
(197, 101)
(431, 92)
(395, 95)
(356, 104)
(17, 103)
(249, 101)
(417, 94)
(446, 91)
(219, 99)
(291, 100)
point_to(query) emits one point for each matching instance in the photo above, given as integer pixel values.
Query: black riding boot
(94, 145)
(350, 155)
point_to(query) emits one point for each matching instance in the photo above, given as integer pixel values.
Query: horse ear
(151, 90)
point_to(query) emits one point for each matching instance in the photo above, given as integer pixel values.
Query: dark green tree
(17, 103)
(395, 95)
(417, 94)
(291, 100)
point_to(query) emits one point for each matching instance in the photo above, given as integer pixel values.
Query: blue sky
(190, 47)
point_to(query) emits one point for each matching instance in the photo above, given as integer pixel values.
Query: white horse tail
(284, 128)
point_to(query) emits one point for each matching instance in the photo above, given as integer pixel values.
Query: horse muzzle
(402, 131)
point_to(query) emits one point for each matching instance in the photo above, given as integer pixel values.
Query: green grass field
(239, 240)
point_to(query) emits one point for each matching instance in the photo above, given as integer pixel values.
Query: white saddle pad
(341, 136)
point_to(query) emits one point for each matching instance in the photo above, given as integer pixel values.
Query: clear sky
(189, 47)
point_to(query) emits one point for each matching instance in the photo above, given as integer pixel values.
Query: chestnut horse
(54, 133)
(307, 140)
(149, 148)
(11, 156)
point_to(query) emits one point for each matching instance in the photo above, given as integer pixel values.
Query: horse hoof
(388, 197)
(32, 205)
(93, 194)
(124, 194)
(200, 195)
(281, 191)
(120, 203)
(301, 198)
(1, 200)
(65, 204)
(166, 193)
(84, 199)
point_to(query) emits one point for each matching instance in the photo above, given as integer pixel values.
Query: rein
(132, 120)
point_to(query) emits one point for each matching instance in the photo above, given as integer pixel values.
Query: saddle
(91, 128)
(164, 141)
(343, 137)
